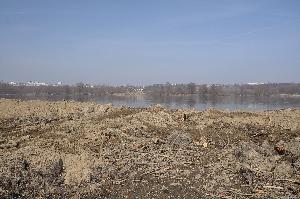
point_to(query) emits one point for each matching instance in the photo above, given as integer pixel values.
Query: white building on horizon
(255, 83)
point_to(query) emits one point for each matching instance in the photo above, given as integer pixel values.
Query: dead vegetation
(86, 150)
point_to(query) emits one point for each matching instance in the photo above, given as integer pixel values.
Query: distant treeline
(156, 89)
(219, 90)
(67, 90)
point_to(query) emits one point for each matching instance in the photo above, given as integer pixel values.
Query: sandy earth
(86, 150)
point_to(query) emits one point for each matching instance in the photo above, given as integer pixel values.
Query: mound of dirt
(86, 150)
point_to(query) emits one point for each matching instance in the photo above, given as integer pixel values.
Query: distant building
(254, 83)
(13, 83)
(36, 83)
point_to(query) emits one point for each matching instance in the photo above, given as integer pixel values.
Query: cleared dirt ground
(85, 150)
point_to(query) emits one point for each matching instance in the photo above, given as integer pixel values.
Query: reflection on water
(227, 102)
(174, 102)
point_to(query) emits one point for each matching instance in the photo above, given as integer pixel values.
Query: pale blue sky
(144, 42)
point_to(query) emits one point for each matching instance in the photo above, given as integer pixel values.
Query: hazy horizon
(140, 85)
(147, 42)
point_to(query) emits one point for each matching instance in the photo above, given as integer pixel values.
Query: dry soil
(86, 150)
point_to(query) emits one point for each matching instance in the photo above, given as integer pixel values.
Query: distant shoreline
(147, 94)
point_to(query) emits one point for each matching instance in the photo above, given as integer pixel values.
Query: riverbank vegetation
(268, 89)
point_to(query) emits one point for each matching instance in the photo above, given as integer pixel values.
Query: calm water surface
(174, 102)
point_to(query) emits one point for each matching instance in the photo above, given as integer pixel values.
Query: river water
(174, 102)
